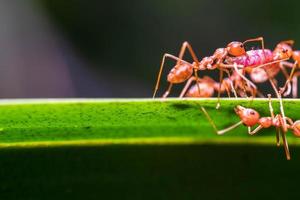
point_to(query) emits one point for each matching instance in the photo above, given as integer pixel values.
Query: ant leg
(295, 84)
(272, 116)
(282, 66)
(277, 136)
(231, 84)
(289, 78)
(236, 68)
(185, 46)
(187, 85)
(284, 140)
(281, 104)
(255, 130)
(249, 83)
(161, 69)
(168, 90)
(295, 87)
(219, 132)
(243, 91)
(219, 91)
(270, 106)
(260, 94)
(261, 39)
(227, 91)
(286, 146)
(270, 63)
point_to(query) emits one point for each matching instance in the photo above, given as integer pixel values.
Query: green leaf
(140, 149)
(85, 122)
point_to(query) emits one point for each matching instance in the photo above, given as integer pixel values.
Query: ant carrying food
(233, 57)
(250, 117)
(184, 70)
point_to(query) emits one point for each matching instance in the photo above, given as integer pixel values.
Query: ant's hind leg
(187, 46)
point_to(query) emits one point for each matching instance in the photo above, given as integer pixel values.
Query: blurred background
(77, 48)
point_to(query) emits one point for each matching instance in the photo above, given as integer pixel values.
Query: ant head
(296, 56)
(236, 49)
(296, 128)
(283, 50)
(249, 116)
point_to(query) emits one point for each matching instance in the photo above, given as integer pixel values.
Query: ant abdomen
(296, 128)
(201, 90)
(261, 75)
(180, 73)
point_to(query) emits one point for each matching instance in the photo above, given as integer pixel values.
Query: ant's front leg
(255, 130)
(220, 132)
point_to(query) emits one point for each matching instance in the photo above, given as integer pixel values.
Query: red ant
(183, 70)
(250, 117)
(206, 86)
(234, 56)
(295, 55)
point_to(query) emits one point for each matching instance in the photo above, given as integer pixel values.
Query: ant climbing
(250, 117)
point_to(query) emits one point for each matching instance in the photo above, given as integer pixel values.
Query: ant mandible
(250, 117)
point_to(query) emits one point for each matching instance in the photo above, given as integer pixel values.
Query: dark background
(77, 48)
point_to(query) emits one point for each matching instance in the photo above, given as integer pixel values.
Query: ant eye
(284, 50)
(252, 112)
(242, 46)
